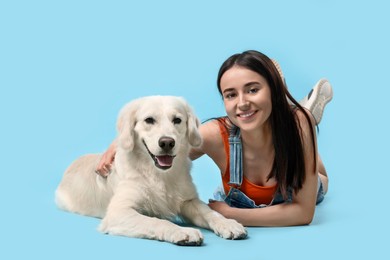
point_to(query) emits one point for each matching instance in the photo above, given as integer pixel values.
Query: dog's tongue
(165, 160)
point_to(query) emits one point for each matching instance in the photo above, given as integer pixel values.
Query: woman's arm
(300, 211)
(104, 166)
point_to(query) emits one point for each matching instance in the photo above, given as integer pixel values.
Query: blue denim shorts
(236, 198)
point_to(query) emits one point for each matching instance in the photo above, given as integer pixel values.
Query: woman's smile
(246, 115)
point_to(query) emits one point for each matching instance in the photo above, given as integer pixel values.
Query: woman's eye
(230, 96)
(176, 121)
(253, 90)
(150, 120)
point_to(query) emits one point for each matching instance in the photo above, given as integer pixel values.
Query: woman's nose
(243, 103)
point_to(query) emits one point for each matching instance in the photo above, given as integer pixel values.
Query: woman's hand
(220, 207)
(105, 164)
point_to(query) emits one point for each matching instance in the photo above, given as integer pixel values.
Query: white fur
(139, 199)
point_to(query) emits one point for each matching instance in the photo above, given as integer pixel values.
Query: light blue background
(67, 67)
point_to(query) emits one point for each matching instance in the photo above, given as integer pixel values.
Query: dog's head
(162, 127)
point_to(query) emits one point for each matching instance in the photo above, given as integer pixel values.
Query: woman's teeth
(246, 115)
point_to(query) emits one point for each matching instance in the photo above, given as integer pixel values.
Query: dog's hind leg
(82, 191)
(62, 200)
(198, 213)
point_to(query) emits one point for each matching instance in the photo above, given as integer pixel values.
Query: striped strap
(235, 149)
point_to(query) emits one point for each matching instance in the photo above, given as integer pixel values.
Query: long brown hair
(289, 163)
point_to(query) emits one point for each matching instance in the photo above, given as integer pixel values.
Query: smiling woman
(265, 147)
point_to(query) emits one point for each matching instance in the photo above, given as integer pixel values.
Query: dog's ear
(193, 123)
(125, 125)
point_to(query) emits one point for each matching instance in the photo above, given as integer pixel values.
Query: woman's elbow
(307, 217)
(307, 220)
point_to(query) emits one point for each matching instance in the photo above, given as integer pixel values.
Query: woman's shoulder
(214, 143)
(211, 129)
(303, 118)
(306, 128)
(213, 134)
(220, 126)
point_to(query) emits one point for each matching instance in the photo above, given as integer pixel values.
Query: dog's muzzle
(163, 162)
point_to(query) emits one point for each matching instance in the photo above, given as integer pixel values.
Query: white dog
(150, 183)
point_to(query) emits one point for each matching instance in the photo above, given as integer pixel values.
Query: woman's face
(247, 98)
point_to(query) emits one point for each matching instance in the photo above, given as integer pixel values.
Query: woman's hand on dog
(104, 166)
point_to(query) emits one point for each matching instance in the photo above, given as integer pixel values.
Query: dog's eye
(176, 120)
(150, 120)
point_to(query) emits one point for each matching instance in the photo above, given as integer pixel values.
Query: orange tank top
(259, 194)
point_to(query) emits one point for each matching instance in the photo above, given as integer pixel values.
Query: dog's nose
(166, 143)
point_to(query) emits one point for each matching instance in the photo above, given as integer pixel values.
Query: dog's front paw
(230, 229)
(186, 237)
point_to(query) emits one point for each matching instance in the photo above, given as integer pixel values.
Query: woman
(265, 147)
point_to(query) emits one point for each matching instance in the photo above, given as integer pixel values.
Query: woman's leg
(318, 97)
